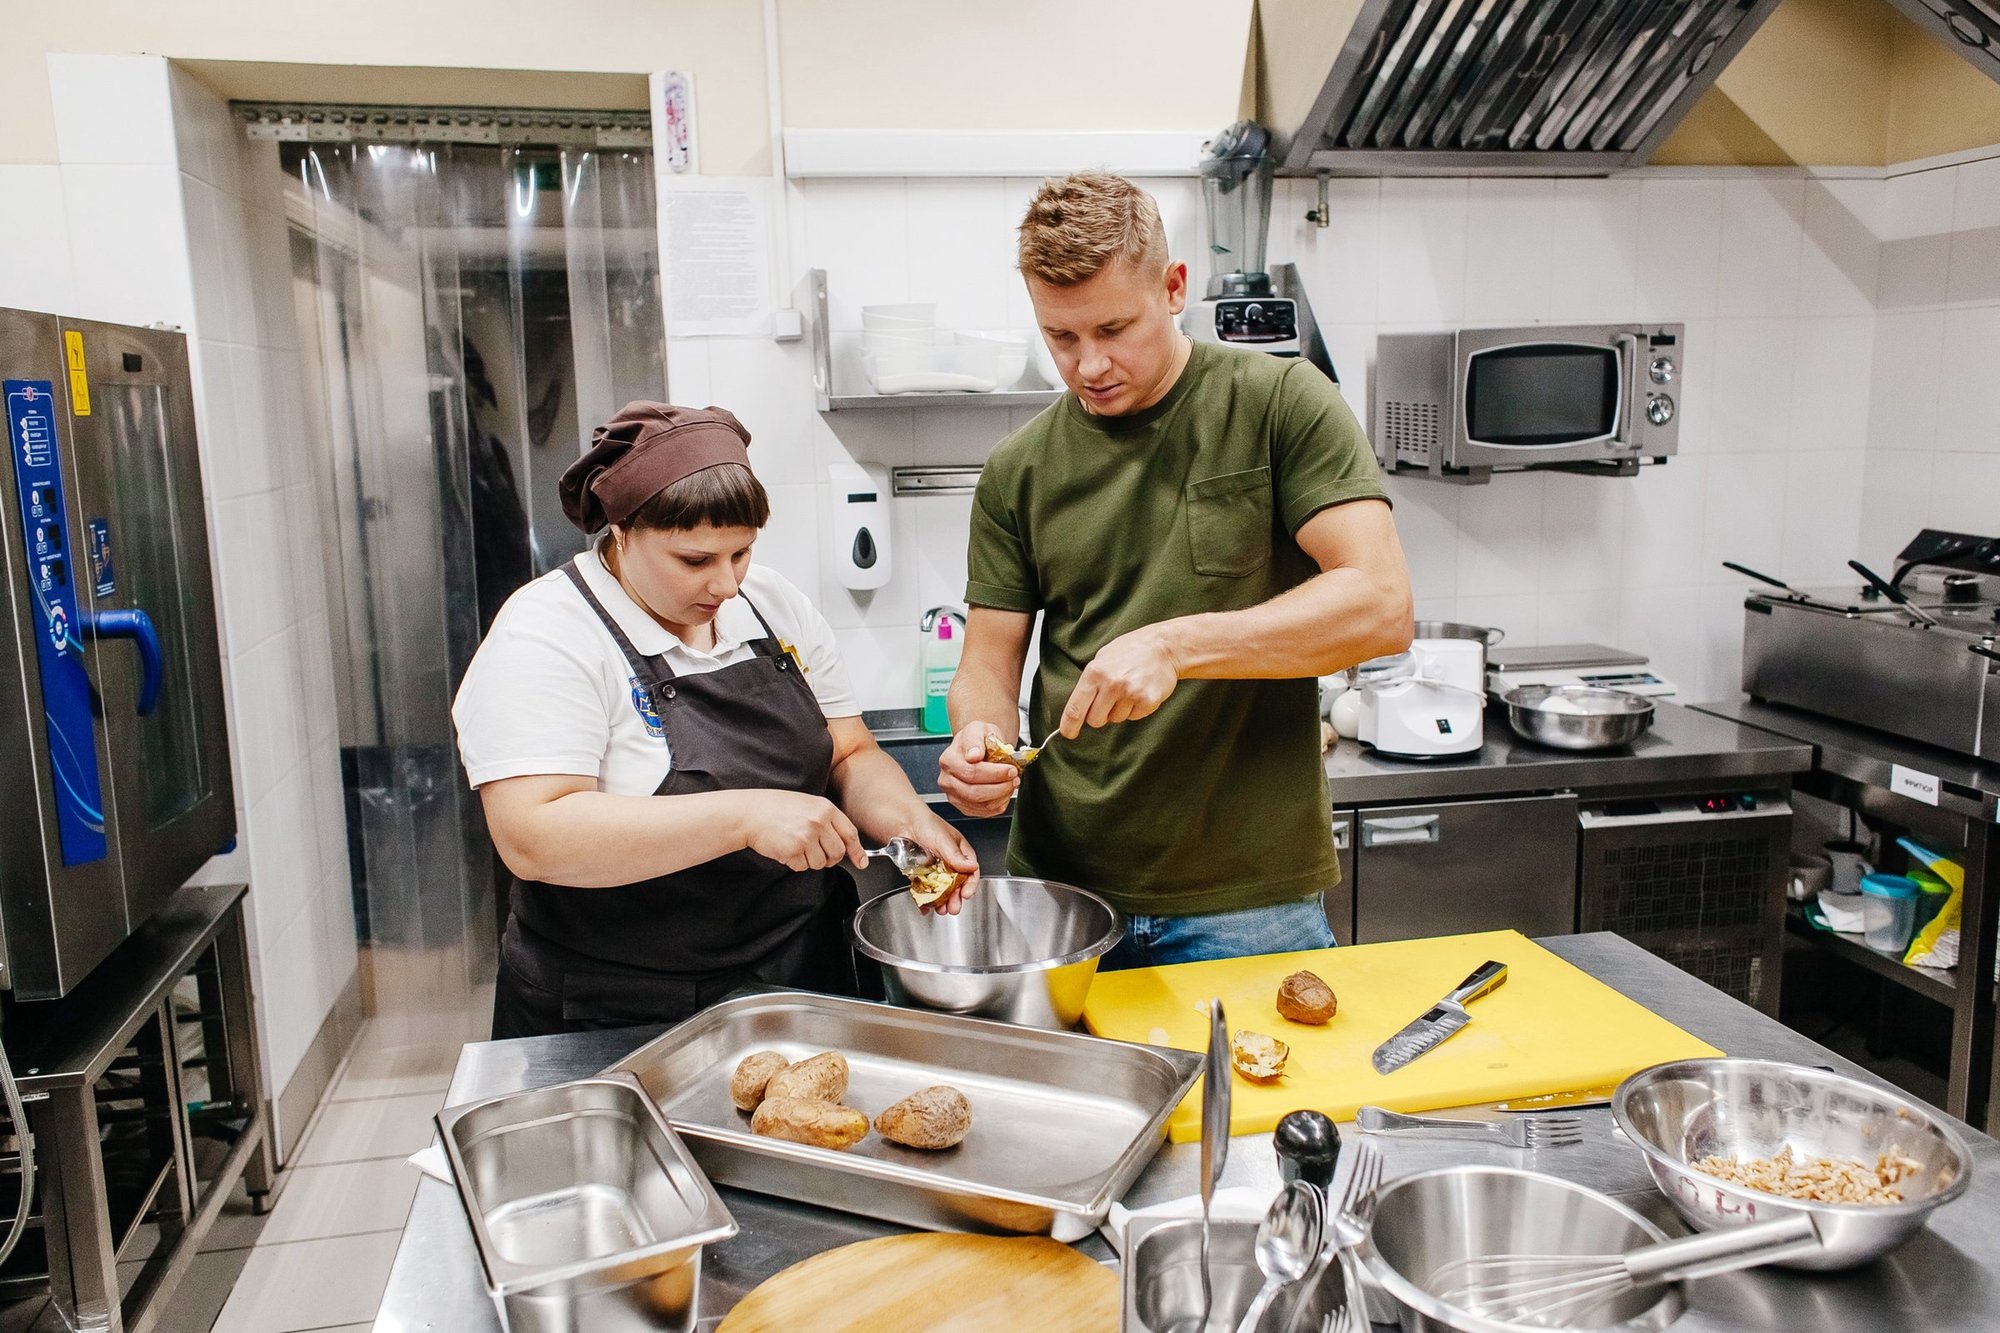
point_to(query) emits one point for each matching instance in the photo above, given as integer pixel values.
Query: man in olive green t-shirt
(1203, 531)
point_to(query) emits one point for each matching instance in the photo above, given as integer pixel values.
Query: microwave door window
(1541, 394)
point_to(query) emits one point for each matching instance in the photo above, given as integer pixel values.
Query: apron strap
(651, 669)
(769, 646)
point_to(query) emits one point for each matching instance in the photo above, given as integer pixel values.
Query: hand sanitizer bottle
(944, 639)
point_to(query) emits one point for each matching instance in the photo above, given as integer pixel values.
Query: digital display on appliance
(1541, 394)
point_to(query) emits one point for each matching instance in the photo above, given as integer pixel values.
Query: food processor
(1244, 304)
(1427, 703)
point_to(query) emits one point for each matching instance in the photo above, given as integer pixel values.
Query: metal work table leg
(244, 1064)
(83, 1268)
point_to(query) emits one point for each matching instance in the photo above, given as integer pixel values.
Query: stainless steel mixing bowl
(1681, 1112)
(1576, 717)
(1022, 950)
(1425, 1221)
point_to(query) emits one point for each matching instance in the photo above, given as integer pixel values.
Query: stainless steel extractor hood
(1529, 87)
(1969, 27)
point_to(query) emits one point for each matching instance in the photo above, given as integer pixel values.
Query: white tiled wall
(1933, 434)
(156, 216)
(1775, 274)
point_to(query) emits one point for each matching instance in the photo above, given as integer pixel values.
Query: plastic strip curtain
(469, 314)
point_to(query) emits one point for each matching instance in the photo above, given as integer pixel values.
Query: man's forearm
(1332, 621)
(976, 696)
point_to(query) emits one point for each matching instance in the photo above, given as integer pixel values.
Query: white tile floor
(321, 1259)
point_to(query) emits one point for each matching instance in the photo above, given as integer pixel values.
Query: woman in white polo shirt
(669, 752)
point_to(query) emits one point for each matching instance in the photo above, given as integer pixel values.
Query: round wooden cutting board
(930, 1282)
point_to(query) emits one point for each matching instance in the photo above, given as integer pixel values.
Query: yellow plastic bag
(1936, 945)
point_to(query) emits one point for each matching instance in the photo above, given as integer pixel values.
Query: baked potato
(1304, 998)
(937, 1117)
(999, 752)
(932, 881)
(823, 1078)
(1259, 1058)
(804, 1120)
(753, 1073)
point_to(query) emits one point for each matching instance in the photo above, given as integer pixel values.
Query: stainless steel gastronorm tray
(1061, 1123)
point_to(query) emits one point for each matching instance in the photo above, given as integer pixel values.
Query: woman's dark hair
(727, 495)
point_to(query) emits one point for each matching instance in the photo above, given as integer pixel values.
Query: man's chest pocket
(1229, 523)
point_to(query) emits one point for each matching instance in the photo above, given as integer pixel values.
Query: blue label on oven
(51, 575)
(104, 579)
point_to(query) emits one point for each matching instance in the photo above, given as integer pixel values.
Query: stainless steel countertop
(1967, 786)
(1946, 1280)
(1681, 746)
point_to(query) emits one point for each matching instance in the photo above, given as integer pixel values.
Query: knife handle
(1489, 977)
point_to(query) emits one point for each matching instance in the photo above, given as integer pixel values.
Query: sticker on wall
(79, 383)
(673, 121)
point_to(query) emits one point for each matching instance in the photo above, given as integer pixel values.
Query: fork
(1349, 1225)
(1550, 1131)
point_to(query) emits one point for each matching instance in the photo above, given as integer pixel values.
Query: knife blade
(1430, 1028)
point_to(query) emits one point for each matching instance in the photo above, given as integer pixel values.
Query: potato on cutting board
(1304, 998)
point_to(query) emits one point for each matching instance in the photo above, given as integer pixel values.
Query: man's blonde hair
(1076, 226)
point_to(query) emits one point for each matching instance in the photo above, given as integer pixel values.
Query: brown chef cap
(645, 448)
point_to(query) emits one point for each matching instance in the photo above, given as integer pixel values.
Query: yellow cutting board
(1549, 1028)
(935, 1283)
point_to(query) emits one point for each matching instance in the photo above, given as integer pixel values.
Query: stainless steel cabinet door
(1340, 898)
(1465, 866)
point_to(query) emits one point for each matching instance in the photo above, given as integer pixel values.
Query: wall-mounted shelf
(830, 376)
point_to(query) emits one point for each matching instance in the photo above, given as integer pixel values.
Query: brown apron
(662, 949)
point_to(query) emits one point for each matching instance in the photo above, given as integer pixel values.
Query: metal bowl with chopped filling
(1731, 1142)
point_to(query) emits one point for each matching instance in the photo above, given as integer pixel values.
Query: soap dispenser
(860, 527)
(944, 639)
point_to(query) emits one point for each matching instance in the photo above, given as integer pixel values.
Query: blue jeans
(1153, 940)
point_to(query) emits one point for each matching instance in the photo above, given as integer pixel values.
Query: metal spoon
(1288, 1242)
(1023, 755)
(903, 853)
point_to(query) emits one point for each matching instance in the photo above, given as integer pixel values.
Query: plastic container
(944, 639)
(1888, 911)
(1010, 351)
(922, 314)
(955, 367)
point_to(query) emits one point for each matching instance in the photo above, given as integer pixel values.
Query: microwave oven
(1464, 404)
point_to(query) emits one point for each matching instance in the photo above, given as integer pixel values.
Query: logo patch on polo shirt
(642, 704)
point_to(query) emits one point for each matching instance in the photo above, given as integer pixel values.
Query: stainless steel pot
(1022, 950)
(1425, 1221)
(1486, 637)
(1452, 629)
(1577, 717)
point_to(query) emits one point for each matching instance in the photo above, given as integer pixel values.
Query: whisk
(1555, 1290)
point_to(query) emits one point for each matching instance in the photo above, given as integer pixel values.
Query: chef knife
(1438, 1022)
